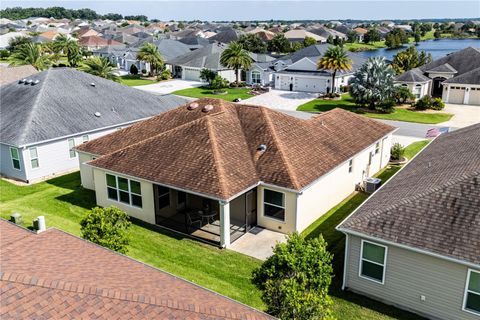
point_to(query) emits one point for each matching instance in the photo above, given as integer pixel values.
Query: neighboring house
(261, 71)
(298, 35)
(188, 66)
(87, 32)
(195, 43)
(326, 32)
(298, 71)
(96, 42)
(56, 275)
(44, 118)
(176, 170)
(265, 35)
(360, 32)
(11, 74)
(227, 36)
(415, 243)
(5, 38)
(455, 78)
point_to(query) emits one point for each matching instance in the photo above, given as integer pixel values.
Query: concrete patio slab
(165, 87)
(281, 100)
(258, 243)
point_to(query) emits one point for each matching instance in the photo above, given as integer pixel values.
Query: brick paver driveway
(281, 100)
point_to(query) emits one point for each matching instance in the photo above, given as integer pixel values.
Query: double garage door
(302, 84)
(458, 95)
(191, 74)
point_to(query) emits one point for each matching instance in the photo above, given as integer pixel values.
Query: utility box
(39, 224)
(372, 184)
(16, 218)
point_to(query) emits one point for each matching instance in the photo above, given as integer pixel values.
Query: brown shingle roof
(433, 203)
(216, 153)
(55, 275)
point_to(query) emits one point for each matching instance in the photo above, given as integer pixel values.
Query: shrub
(294, 281)
(403, 95)
(423, 103)
(133, 69)
(218, 83)
(397, 151)
(107, 227)
(386, 106)
(437, 104)
(165, 75)
(207, 75)
(144, 71)
(4, 54)
(240, 85)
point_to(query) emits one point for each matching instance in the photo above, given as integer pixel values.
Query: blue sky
(278, 9)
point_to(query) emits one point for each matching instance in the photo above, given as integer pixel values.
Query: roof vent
(35, 82)
(192, 106)
(207, 108)
(98, 114)
(92, 84)
(29, 81)
(262, 148)
(22, 81)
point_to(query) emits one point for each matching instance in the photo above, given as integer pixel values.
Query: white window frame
(464, 306)
(117, 189)
(85, 138)
(377, 147)
(71, 148)
(256, 72)
(275, 205)
(18, 159)
(362, 259)
(350, 166)
(33, 158)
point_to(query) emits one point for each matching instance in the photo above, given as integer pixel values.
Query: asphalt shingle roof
(64, 103)
(55, 275)
(206, 57)
(471, 77)
(433, 203)
(462, 61)
(413, 75)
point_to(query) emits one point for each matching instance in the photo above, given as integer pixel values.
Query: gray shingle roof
(64, 103)
(462, 61)
(206, 57)
(433, 203)
(227, 36)
(443, 68)
(413, 75)
(471, 77)
(170, 49)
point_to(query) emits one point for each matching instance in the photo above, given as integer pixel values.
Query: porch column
(224, 224)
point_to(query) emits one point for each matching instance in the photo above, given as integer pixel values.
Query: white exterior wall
(230, 75)
(290, 211)
(338, 184)
(6, 165)
(86, 172)
(146, 213)
(423, 88)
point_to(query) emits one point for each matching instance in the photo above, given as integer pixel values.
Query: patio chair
(192, 219)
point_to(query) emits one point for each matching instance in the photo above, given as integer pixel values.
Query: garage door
(191, 74)
(309, 85)
(284, 83)
(474, 98)
(456, 95)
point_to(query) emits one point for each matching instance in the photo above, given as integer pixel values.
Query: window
(472, 292)
(377, 147)
(373, 258)
(34, 158)
(274, 204)
(124, 190)
(163, 197)
(370, 156)
(15, 158)
(71, 148)
(350, 166)
(256, 77)
(85, 138)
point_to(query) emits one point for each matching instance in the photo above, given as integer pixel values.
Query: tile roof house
(298, 35)
(285, 172)
(455, 78)
(44, 117)
(96, 42)
(416, 242)
(11, 74)
(55, 275)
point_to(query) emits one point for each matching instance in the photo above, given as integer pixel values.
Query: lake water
(438, 48)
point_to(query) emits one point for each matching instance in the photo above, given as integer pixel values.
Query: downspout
(344, 278)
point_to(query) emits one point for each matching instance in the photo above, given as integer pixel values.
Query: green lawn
(412, 149)
(346, 102)
(203, 92)
(133, 81)
(356, 46)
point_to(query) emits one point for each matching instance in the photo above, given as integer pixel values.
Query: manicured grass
(346, 102)
(203, 92)
(364, 46)
(63, 202)
(133, 81)
(412, 149)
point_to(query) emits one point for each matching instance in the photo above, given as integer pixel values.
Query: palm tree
(149, 53)
(100, 67)
(236, 57)
(335, 59)
(372, 83)
(70, 47)
(32, 54)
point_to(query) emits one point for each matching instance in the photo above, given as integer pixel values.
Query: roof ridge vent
(35, 82)
(207, 108)
(262, 148)
(22, 80)
(92, 84)
(193, 106)
(97, 114)
(29, 81)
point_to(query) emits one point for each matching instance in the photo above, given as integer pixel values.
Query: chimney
(39, 224)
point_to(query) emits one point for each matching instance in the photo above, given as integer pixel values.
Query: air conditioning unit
(372, 184)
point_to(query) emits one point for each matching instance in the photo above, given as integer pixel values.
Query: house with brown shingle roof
(55, 275)
(96, 42)
(214, 169)
(415, 243)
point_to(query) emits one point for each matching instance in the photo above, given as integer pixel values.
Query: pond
(438, 48)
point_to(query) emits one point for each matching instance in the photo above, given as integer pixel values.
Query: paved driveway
(281, 100)
(464, 115)
(170, 86)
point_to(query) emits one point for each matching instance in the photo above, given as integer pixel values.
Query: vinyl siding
(408, 276)
(6, 166)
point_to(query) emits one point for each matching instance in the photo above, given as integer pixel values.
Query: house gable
(304, 64)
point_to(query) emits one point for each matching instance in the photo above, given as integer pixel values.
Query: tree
(402, 95)
(69, 47)
(396, 38)
(236, 58)
(437, 34)
(295, 46)
(410, 58)
(279, 43)
(32, 54)
(253, 43)
(330, 39)
(372, 35)
(335, 59)
(351, 36)
(17, 41)
(218, 82)
(294, 281)
(150, 54)
(372, 83)
(107, 227)
(100, 67)
(309, 41)
(207, 75)
(417, 38)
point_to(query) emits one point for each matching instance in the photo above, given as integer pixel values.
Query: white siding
(410, 275)
(86, 172)
(6, 166)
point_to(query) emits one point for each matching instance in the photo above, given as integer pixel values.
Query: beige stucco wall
(290, 208)
(146, 213)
